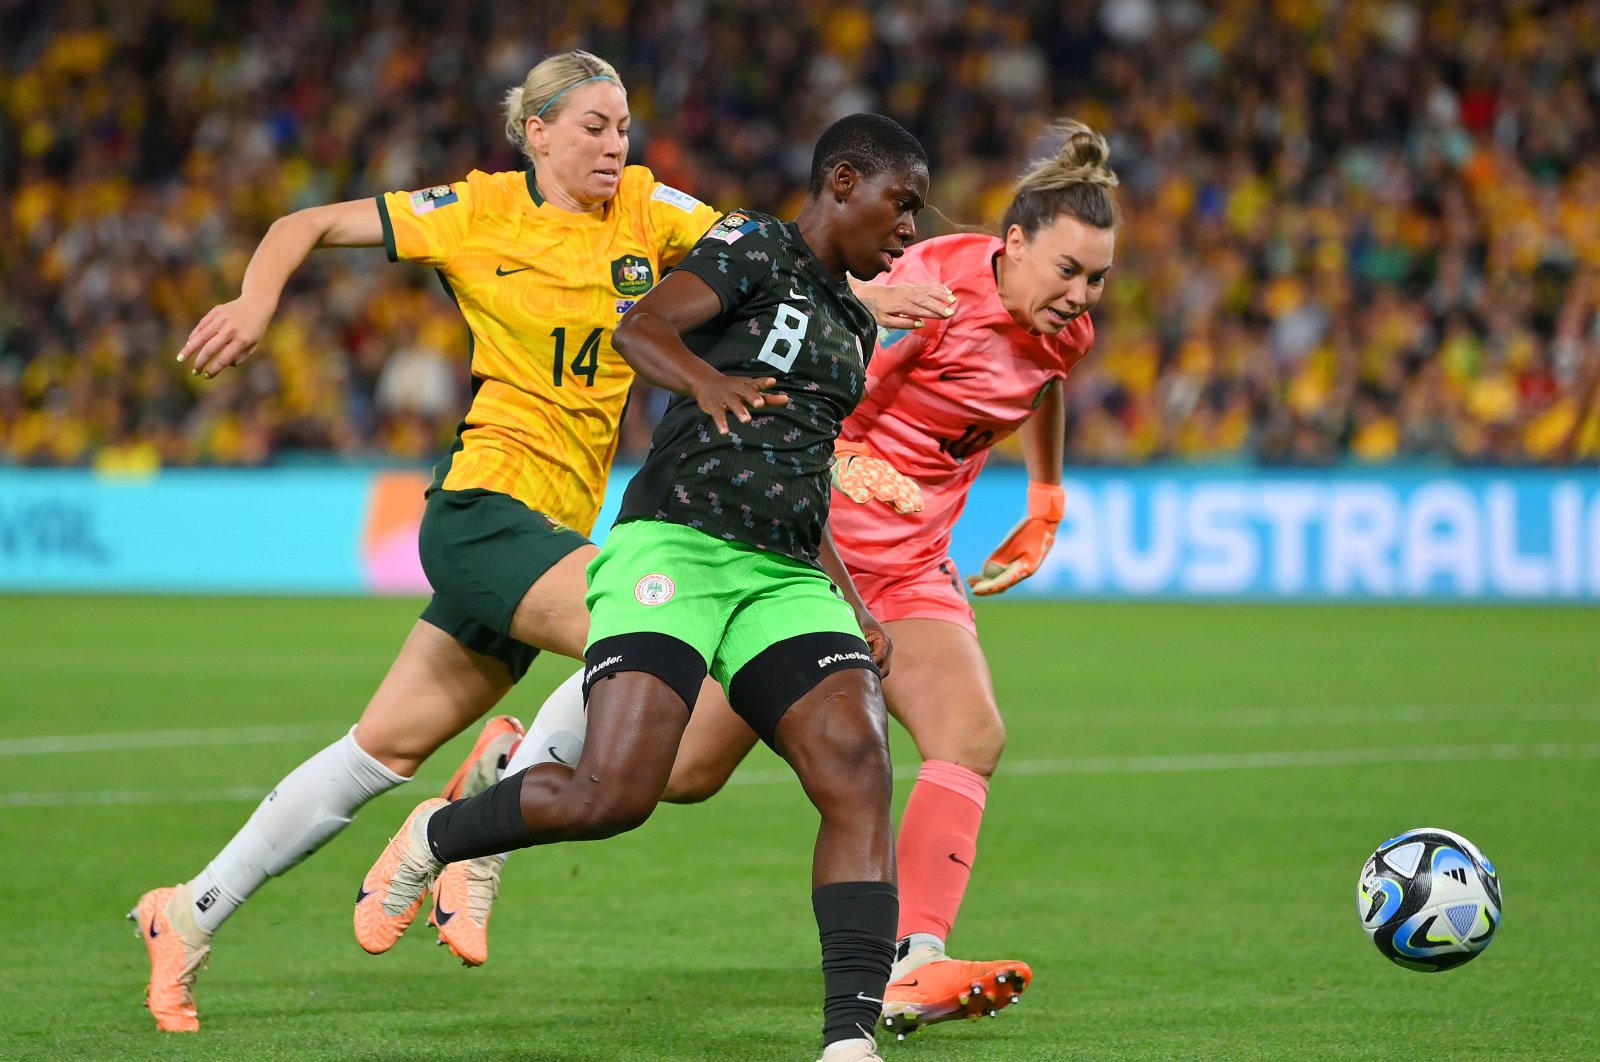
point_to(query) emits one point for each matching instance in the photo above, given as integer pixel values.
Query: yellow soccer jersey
(541, 290)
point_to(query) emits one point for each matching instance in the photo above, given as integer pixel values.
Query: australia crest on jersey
(632, 275)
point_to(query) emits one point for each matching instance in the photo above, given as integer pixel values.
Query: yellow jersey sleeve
(429, 225)
(675, 221)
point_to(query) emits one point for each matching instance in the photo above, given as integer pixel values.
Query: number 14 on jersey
(585, 363)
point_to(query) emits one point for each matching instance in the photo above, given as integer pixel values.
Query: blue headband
(598, 77)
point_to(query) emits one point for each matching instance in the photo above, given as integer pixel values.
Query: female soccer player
(937, 399)
(715, 565)
(541, 264)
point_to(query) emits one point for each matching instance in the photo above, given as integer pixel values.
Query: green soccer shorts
(730, 603)
(481, 551)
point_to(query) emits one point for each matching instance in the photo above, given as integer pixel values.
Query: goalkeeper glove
(863, 476)
(1024, 549)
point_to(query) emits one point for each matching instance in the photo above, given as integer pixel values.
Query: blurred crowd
(1352, 231)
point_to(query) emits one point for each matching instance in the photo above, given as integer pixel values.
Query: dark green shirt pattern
(765, 483)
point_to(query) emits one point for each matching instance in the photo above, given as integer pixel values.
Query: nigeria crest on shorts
(632, 275)
(654, 589)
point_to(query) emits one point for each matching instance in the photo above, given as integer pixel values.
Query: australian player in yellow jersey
(542, 264)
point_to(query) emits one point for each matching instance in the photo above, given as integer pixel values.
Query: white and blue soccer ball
(1429, 899)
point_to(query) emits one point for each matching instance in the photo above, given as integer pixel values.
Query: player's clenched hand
(1024, 549)
(863, 476)
(878, 641)
(908, 305)
(226, 336)
(719, 394)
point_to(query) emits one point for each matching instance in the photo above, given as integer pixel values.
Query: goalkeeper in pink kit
(939, 396)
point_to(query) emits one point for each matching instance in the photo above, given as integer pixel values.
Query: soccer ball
(1429, 899)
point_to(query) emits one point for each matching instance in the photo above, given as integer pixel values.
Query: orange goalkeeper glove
(1024, 549)
(863, 476)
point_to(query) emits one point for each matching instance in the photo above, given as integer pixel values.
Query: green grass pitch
(1173, 843)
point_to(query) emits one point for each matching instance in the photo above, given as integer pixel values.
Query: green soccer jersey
(765, 483)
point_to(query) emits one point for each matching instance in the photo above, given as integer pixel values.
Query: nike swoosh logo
(951, 374)
(554, 755)
(502, 271)
(795, 295)
(440, 915)
(956, 859)
(911, 984)
(868, 999)
(154, 932)
(361, 893)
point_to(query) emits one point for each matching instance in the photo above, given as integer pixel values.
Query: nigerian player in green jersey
(716, 564)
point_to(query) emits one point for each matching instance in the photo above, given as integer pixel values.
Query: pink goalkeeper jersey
(938, 397)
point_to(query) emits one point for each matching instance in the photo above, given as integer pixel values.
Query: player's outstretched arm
(1043, 438)
(650, 338)
(905, 305)
(877, 638)
(229, 333)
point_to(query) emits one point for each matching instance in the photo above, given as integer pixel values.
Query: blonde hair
(545, 85)
(1076, 182)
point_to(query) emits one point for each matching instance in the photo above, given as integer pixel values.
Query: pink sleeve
(893, 356)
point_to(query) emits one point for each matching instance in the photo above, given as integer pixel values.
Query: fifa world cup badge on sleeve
(732, 226)
(431, 199)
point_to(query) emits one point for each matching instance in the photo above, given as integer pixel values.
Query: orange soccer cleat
(391, 894)
(489, 756)
(170, 935)
(462, 899)
(944, 989)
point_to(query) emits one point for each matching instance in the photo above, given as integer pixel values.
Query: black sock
(856, 921)
(481, 825)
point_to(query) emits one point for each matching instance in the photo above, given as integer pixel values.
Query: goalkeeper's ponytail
(1077, 182)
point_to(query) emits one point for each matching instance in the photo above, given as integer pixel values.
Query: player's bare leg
(835, 737)
(635, 721)
(551, 615)
(434, 690)
(942, 692)
(715, 743)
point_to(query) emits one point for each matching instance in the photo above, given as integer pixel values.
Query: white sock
(313, 803)
(911, 952)
(848, 1048)
(556, 733)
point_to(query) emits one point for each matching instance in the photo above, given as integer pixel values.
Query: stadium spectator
(1392, 266)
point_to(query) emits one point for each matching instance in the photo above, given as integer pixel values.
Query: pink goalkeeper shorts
(936, 592)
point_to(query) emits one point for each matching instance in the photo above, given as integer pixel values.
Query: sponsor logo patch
(588, 676)
(654, 589)
(431, 199)
(632, 275)
(840, 658)
(682, 200)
